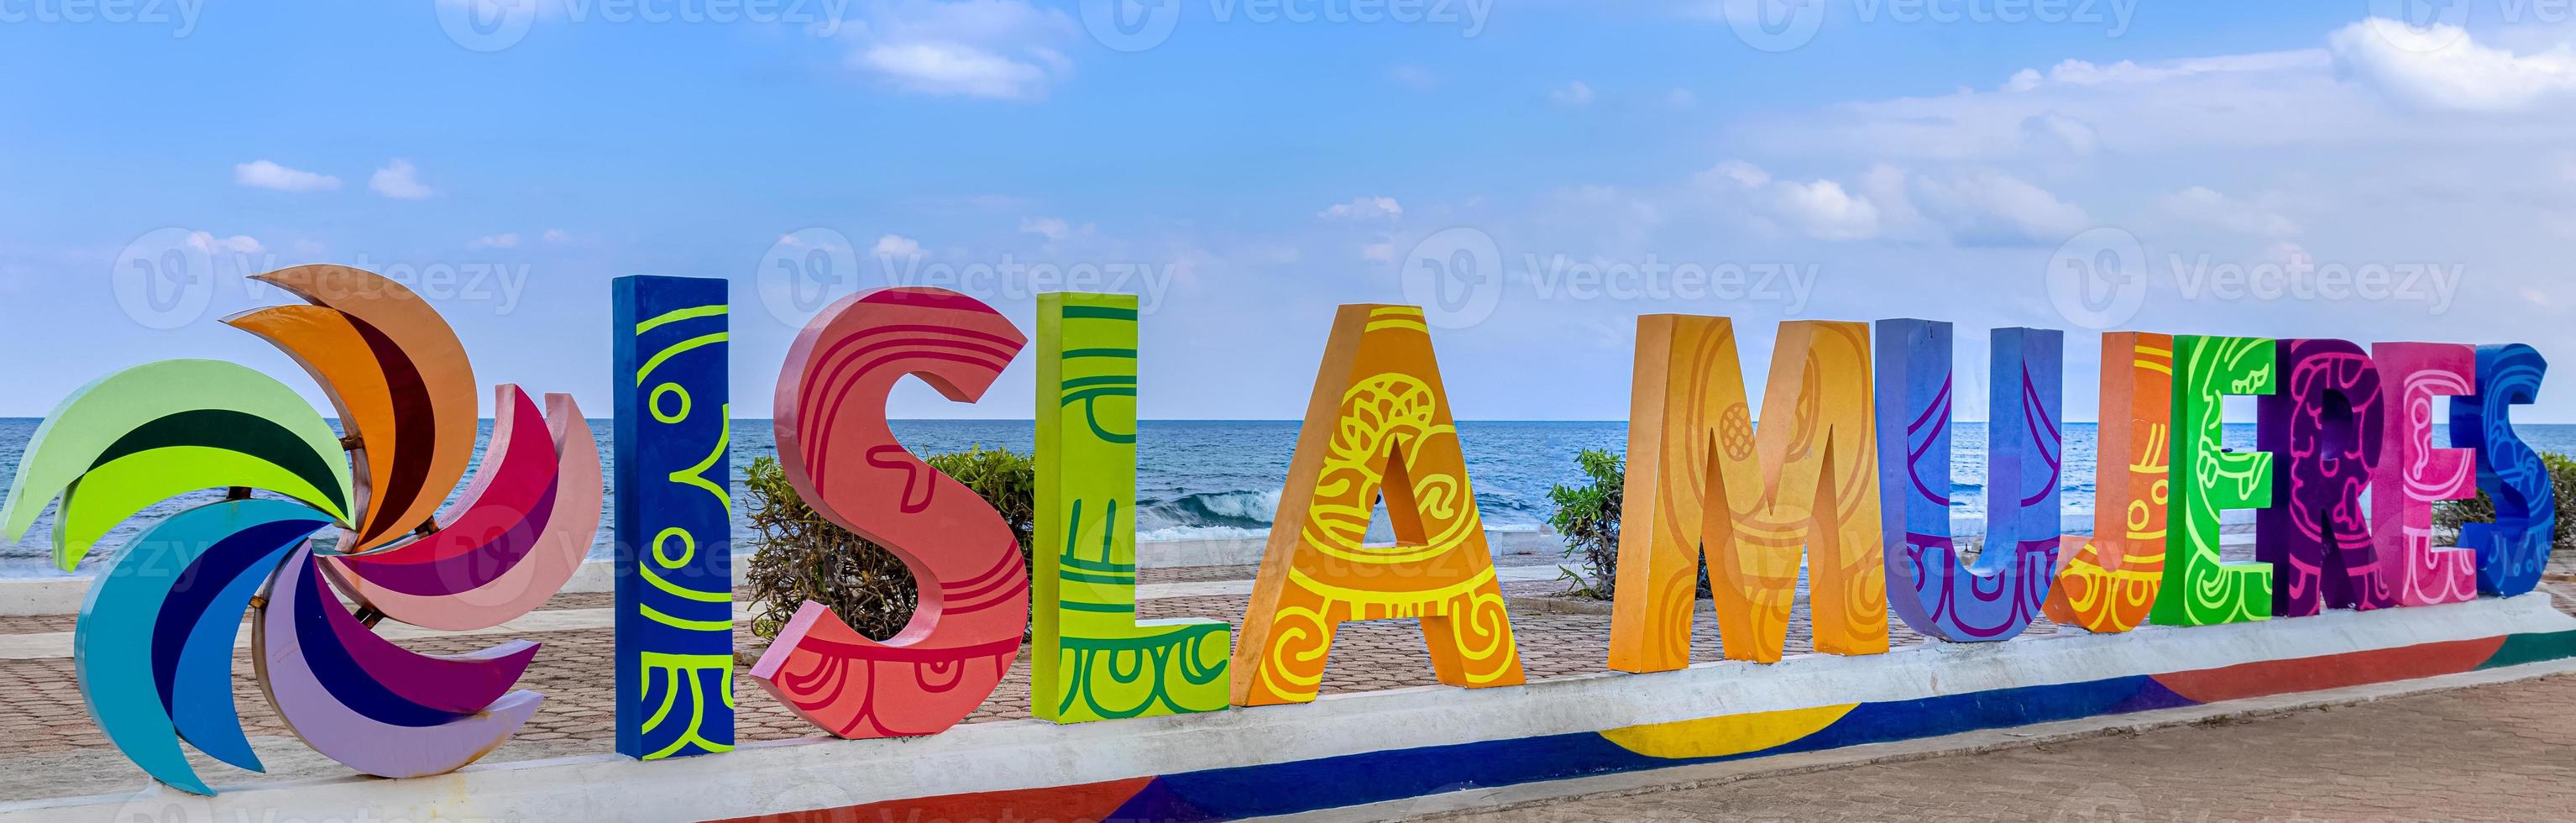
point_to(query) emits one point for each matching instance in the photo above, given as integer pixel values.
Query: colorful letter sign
(1803, 492)
(2413, 473)
(1378, 424)
(1996, 598)
(2325, 426)
(674, 518)
(2199, 589)
(838, 452)
(2110, 581)
(1093, 659)
(2513, 549)
(155, 642)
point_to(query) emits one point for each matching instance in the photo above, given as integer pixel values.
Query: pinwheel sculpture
(356, 517)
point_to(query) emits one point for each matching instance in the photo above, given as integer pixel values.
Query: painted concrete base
(1703, 775)
(1371, 748)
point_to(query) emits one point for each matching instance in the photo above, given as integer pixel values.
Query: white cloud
(400, 180)
(556, 236)
(1378, 252)
(1365, 208)
(1413, 77)
(1821, 209)
(1051, 228)
(2206, 206)
(896, 245)
(1576, 93)
(998, 49)
(1992, 208)
(1681, 99)
(1744, 174)
(494, 241)
(2442, 68)
(1826, 212)
(264, 174)
(2050, 129)
(2083, 109)
(236, 244)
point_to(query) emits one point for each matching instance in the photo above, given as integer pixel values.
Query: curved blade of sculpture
(510, 541)
(160, 430)
(371, 705)
(399, 377)
(148, 696)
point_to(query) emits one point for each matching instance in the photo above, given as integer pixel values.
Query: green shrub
(1588, 517)
(799, 555)
(2449, 515)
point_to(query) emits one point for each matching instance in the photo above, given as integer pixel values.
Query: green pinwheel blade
(156, 431)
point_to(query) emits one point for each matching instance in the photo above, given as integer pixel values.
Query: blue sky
(2274, 169)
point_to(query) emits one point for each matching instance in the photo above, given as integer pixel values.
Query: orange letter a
(1378, 424)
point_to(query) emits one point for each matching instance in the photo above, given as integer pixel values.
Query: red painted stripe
(1071, 804)
(2334, 671)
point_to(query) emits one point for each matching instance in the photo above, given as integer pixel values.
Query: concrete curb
(1685, 778)
(1019, 755)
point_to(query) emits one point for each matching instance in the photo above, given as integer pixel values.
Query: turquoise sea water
(1200, 479)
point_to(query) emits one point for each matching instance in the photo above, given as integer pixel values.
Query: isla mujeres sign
(1846, 477)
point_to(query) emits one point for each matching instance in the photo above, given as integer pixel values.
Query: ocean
(1211, 479)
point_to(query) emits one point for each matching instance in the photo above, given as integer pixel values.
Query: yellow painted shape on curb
(1726, 736)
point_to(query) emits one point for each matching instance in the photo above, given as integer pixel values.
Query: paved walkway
(2492, 753)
